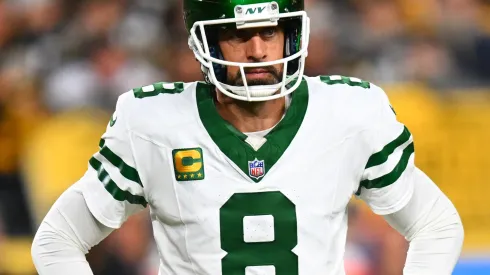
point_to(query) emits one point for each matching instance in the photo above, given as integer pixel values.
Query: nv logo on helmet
(254, 10)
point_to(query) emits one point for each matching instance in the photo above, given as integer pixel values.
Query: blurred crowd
(63, 63)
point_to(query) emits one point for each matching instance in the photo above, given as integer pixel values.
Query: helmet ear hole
(214, 51)
(219, 70)
(292, 44)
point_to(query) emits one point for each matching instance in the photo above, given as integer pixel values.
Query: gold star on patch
(179, 176)
(199, 175)
(185, 176)
(192, 175)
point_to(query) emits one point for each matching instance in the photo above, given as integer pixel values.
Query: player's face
(253, 45)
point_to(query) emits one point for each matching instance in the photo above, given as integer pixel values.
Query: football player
(250, 172)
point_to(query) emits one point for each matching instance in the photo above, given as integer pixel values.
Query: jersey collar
(232, 143)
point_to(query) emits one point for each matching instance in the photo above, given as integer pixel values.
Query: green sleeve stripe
(101, 143)
(394, 175)
(116, 192)
(381, 156)
(127, 171)
(392, 109)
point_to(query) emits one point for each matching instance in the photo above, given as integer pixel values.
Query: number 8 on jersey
(259, 229)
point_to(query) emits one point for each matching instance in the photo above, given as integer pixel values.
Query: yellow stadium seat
(16, 256)
(451, 135)
(421, 111)
(466, 160)
(57, 155)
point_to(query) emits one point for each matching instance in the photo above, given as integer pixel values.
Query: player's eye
(235, 35)
(240, 34)
(268, 32)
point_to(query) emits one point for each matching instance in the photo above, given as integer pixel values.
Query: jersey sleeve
(385, 183)
(112, 186)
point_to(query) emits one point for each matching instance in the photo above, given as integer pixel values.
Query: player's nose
(256, 49)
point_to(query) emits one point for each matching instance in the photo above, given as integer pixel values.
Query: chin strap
(258, 90)
(255, 91)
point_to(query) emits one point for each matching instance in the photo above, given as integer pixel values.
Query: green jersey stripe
(127, 171)
(116, 192)
(394, 175)
(381, 156)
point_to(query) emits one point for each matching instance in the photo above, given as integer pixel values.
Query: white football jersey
(222, 204)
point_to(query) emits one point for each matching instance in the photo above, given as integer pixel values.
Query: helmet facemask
(203, 42)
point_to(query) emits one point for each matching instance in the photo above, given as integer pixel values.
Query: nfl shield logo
(256, 168)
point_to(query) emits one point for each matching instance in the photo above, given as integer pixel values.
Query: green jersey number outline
(351, 81)
(278, 252)
(158, 88)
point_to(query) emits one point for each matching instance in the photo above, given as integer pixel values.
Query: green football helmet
(203, 18)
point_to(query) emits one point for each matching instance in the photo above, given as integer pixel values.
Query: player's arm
(411, 203)
(66, 234)
(101, 201)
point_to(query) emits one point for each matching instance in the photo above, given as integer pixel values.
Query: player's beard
(274, 77)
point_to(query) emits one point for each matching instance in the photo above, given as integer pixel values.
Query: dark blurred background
(63, 64)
